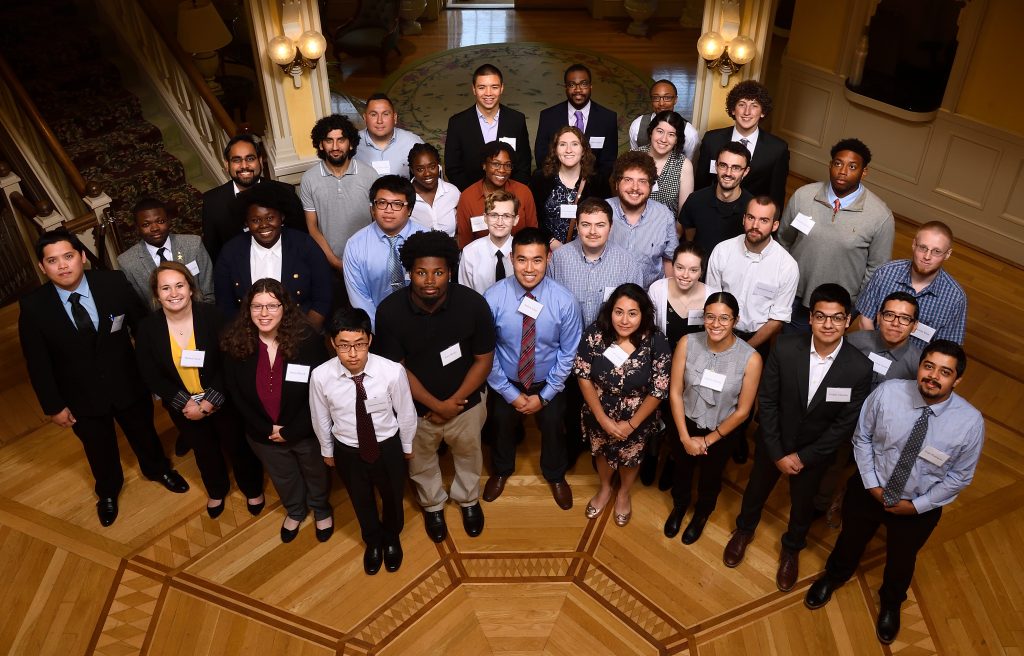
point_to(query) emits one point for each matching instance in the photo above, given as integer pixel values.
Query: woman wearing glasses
(270, 350)
(496, 159)
(714, 382)
(675, 172)
(436, 199)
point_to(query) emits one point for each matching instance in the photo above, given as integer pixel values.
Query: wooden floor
(166, 579)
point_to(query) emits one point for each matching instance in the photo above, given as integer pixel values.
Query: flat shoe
(287, 535)
(593, 512)
(256, 508)
(622, 520)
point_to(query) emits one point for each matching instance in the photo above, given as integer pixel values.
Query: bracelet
(630, 423)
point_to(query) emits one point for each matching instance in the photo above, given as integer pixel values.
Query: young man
(496, 163)
(663, 99)
(488, 259)
(715, 213)
(444, 335)
(597, 123)
(486, 121)
(917, 445)
(810, 394)
(373, 267)
(74, 333)
(383, 145)
(943, 302)
(538, 332)
(364, 417)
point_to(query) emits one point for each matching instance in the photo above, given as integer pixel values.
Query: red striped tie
(526, 350)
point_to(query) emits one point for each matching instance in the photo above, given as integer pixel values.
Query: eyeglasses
(734, 168)
(662, 98)
(720, 318)
(924, 250)
(248, 159)
(501, 218)
(903, 319)
(585, 84)
(821, 317)
(358, 347)
(503, 166)
(269, 307)
(397, 205)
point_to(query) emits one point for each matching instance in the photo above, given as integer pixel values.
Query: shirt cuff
(214, 397)
(870, 480)
(923, 504)
(180, 400)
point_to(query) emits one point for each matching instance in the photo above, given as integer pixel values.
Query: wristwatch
(543, 401)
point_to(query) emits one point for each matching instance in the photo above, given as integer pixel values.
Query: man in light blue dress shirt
(383, 145)
(916, 445)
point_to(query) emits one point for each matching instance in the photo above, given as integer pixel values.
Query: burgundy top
(269, 382)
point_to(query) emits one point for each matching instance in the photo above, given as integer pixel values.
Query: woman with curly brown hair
(270, 350)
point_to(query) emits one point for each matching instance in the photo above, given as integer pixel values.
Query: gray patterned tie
(901, 473)
(395, 271)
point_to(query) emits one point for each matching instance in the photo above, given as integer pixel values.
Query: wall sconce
(727, 57)
(292, 51)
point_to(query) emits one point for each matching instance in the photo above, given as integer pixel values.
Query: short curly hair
(748, 90)
(633, 159)
(324, 126)
(853, 145)
(430, 243)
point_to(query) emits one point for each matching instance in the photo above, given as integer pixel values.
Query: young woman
(436, 199)
(675, 172)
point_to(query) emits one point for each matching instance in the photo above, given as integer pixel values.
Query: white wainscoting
(953, 168)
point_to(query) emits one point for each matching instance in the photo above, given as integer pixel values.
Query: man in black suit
(243, 161)
(810, 396)
(599, 124)
(487, 120)
(74, 335)
(747, 103)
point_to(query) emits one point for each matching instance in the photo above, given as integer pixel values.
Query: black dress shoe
(888, 626)
(256, 508)
(215, 511)
(393, 557)
(473, 519)
(435, 525)
(648, 469)
(181, 446)
(288, 534)
(694, 529)
(106, 508)
(173, 481)
(668, 475)
(373, 557)
(674, 521)
(820, 593)
(324, 534)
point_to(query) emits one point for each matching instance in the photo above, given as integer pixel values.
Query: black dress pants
(550, 422)
(711, 465)
(212, 436)
(386, 475)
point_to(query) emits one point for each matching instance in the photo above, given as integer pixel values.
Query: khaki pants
(462, 434)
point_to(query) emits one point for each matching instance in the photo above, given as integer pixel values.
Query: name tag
(608, 293)
(714, 166)
(934, 456)
(803, 223)
(765, 290)
(712, 380)
(837, 394)
(116, 323)
(193, 268)
(615, 355)
(192, 358)
(382, 167)
(924, 332)
(695, 317)
(530, 307)
(297, 373)
(655, 187)
(450, 354)
(509, 140)
(879, 363)
(567, 211)
(596, 142)
(477, 224)
(378, 404)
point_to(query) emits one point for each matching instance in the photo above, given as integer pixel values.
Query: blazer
(542, 185)
(294, 418)
(153, 350)
(602, 122)
(138, 265)
(304, 273)
(65, 369)
(464, 140)
(788, 423)
(223, 220)
(769, 166)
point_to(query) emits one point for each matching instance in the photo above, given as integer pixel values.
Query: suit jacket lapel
(832, 376)
(99, 295)
(803, 376)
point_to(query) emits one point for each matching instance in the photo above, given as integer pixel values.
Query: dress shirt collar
(367, 139)
(483, 119)
(831, 356)
(572, 113)
(758, 257)
(751, 138)
(82, 289)
(383, 236)
(153, 249)
(506, 246)
(520, 292)
(620, 213)
(370, 369)
(845, 201)
(262, 252)
(937, 408)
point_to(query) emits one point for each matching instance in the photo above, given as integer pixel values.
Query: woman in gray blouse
(713, 386)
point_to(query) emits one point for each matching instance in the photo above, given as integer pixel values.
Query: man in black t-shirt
(715, 213)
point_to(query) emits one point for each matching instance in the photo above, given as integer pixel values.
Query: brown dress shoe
(789, 569)
(562, 493)
(494, 487)
(737, 547)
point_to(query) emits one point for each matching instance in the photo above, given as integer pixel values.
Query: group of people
(657, 300)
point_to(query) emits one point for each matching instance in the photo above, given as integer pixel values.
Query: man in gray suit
(156, 245)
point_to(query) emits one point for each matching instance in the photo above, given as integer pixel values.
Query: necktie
(579, 120)
(162, 254)
(901, 473)
(745, 142)
(499, 266)
(395, 272)
(642, 138)
(835, 209)
(369, 450)
(82, 319)
(526, 349)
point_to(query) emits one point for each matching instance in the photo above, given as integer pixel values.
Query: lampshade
(200, 28)
(711, 45)
(742, 50)
(312, 45)
(281, 50)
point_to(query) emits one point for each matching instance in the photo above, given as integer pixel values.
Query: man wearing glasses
(599, 124)
(715, 213)
(487, 260)
(943, 302)
(496, 160)
(810, 396)
(663, 99)
(373, 265)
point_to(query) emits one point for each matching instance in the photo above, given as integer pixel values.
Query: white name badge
(655, 187)
(615, 355)
(596, 142)
(382, 167)
(477, 224)
(934, 456)
(695, 317)
(803, 223)
(879, 363)
(116, 323)
(530, 307)
(450, 354)
(765, 290)
(714, 166)
(378, 404)
(297, 373)
(712, 380)
(837, 394)
(608, 293)
(924, 332)
(193, 268)
(192, 358)
(509, 140)
(567, 211)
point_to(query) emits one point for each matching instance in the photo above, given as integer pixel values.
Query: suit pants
(711, 466)
(387, 475)
(462, 435)
(209, 438)
(299, 474)
(904, 537)
(100, 443)
(550, 422)
(802, 488)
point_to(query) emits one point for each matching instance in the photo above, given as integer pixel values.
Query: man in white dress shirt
(486, 260)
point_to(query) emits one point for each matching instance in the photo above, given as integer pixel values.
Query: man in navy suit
(74, 335)
(599, 124)
(486, 121)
